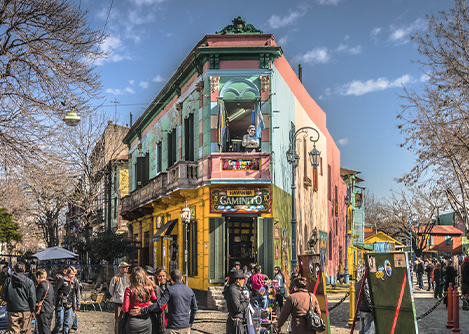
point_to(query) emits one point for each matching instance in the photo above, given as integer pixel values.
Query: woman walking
(159, 326)
(280, 295)
(297, 304)
(236, 303)
(259, 290)
(139, 293)
(44, 302)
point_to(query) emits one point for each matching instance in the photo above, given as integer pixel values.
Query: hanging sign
(240, 200)
(240, 164)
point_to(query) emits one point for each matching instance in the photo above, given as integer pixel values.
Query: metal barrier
(339, 302)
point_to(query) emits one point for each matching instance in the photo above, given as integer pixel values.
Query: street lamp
(293, 158)
(72, 118)
(186, 219)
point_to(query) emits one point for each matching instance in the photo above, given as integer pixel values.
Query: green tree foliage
(8, 228)
(109, 246)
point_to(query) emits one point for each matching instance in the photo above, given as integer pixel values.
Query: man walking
(20, 295)
(180, 300)
(65, 301)
(429, 270)
(117, 289)
(420, 271)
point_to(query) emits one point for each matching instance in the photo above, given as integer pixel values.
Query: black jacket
(236, 302)
(68, 290)
(20, 294)
(48, 304)
(180, 299)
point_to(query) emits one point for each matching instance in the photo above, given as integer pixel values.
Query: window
(142, 171)
(329, 182)
(159, 156)
(171, 147)
(336, 201)
(115, 208)
(315, 179)
(306, 179)
(238, 116)
(330, 246)
(448, 240)
(193, 248)
(189, 138)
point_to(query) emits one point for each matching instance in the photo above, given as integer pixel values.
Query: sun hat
(123, 264)
(236, 274)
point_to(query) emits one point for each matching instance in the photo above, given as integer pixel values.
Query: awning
(164, 230)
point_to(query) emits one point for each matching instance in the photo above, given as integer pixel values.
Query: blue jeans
(75, 321)
(62, 317)
(420, 280)
(259, 301)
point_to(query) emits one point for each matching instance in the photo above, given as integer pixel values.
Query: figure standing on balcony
(250, 141)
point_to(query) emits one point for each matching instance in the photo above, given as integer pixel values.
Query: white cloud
(342, 141)
(143, 84)
(375, 32)
(400, 35)
(328, 2)
(158, 78)
(112, 91)
(276, 22)
(283, 41)
(147, 2)
(319, 55)
(358, 88)
(111, 43)
(424, 77)
(353, 50)
(129, 90)
(131, 82)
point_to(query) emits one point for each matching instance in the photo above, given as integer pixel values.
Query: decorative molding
(214, 82)
(199, 86)
(179, 106)
(265, 81)
(239, 26)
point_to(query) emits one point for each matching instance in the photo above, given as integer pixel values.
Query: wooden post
(456, 311)
(449, 300)
(351, 303)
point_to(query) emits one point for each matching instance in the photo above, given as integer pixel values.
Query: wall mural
(323, 246)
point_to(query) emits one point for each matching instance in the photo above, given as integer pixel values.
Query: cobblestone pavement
(208, 321)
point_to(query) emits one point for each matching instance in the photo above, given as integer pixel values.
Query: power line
(108, 13)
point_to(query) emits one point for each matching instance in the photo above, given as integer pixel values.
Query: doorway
(241, 237)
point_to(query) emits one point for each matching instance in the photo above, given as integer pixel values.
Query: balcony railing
(182, 175)
(155, 189)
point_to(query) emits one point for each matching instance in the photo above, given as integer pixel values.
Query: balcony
(182, 175)
(235, 166)
(133, 205)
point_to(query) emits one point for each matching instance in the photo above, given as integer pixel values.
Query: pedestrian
(3, 276)
(367, 325)
(450, 277)
(77, 285)
(236, 265)
(281, 291)
(437, 278)
(420, 271)
(153, 316)
(465, 282)
(117, 288)
(138, 294)
(429, 270)
(44, 303)
(236, 302)
(65, 301)
(161, 286)
(150, 273)
(20, 295)
(182, 305)
(298, 304)
(258, 289)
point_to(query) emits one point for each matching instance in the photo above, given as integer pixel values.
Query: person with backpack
(65, 301)
(117, 287)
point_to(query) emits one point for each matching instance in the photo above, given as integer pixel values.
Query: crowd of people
(440, 273)
(247, 290)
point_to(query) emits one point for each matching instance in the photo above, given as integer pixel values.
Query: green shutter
(265, 245)
(217, 257)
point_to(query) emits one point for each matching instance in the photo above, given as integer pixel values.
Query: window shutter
(139, 170)
(146, 169)
(193, 265)
(265, 246)
(216, 241)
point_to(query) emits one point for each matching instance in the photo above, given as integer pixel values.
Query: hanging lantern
(72, 118)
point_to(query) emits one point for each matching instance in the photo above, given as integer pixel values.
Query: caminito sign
(240, 200)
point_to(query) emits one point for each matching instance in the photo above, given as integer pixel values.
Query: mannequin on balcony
(250, 141)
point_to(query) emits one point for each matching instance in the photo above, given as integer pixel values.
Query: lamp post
(346, 273)
(186, 219)
(293, 159)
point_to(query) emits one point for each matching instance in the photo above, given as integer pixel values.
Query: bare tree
(435, 122)
(47, 50)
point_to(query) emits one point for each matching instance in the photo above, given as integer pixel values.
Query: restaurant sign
(241, 200)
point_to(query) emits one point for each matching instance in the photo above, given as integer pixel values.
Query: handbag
(314, 320)
(123, 318)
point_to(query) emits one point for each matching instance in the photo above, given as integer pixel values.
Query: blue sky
(356, 56)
